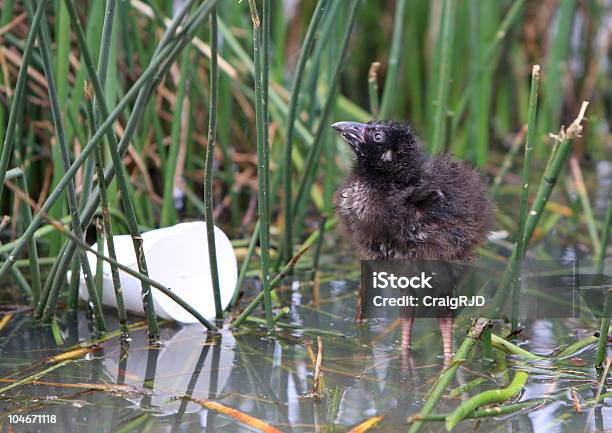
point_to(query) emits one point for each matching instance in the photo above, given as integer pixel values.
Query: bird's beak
(352, 132)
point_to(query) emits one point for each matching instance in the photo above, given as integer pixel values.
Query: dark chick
(399, 202)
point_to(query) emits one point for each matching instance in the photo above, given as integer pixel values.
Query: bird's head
(382, 147)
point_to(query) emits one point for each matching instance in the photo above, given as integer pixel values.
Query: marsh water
(365, 373)
(122, 386)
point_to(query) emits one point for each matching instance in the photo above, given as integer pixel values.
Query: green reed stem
(210, 156)
(168, 212)
(108, 228)
(575, 347)
(443, 85)
(583, 195)
(18, 96)
(524, 202)
(492, 411)
(604, 327)
(309, 40)
(506, 164)
(488, 397)
(35, 376)
(32, 248)
(467, 387)
(245, 263)
(105, 43)
(390, 93)
(73, 206)
(262, 159)
(512, 349)
(319, 245)
(445, 378)
(554, 166)
(277, 279)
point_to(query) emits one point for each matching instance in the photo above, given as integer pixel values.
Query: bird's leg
(360, 307)
(446, 325)
(407, 364)
(406, 325)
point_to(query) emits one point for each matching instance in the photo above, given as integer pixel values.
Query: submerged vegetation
(117, 117)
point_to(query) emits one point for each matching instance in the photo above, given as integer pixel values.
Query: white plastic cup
(177, 257)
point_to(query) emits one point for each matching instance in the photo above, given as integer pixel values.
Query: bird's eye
(379, 137)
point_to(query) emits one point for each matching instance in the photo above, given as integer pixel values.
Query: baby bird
(399, 202)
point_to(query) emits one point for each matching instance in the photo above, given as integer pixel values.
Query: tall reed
(524, 202)
(307, 45)
(445, 40)
(260, 65)
(210, 154)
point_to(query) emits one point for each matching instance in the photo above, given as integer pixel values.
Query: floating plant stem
(456, 392)
(574, 348)
(34, 376)
(489, 411)
(488, 397)
(442, 382)
(524, 202)
(298, 326)
(446, 39)
(368, 424)
(390, 93)
(210, 155)
(513, 349)
(306, 48)
(18, 95)
(242, 417)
